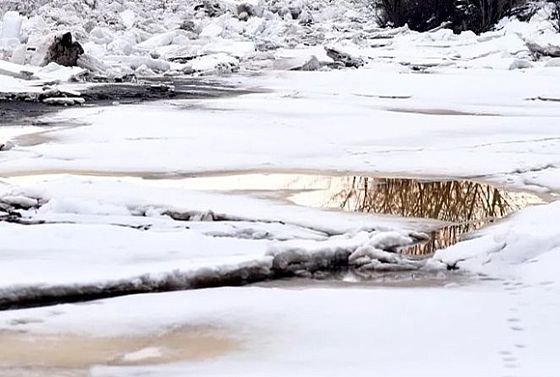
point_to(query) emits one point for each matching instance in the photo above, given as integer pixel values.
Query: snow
(14, 70)
(51, 72)
(11, 26)
(142, 246)
(210, 31)
(142, 30)
(64, 101)
(415, 120)
(112, 231)
(128, 18)
(527, 242)
(135, 62)
(326, 331)
(108, 204)
(145, 353)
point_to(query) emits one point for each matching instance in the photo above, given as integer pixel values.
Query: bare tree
(555, 16)
(422, 15)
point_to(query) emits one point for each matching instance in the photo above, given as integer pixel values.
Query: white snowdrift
(526, 246)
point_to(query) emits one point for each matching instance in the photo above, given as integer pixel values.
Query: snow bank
(526, 246)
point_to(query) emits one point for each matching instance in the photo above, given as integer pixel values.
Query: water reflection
(468, 205)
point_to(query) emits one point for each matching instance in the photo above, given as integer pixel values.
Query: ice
(64, 101)
(20, 201)
(11, 26)
(217, 63)
(6, 145)
(327, 331)
(154, 236)
(160, 40)
(417, 118)
(128, 18)
(54, 71)
(146, 28)
(101, 35)
(554, 62)
(144, 353)
(233, 48)
(16, 70)
(527, 241)
(135, 62)
(212, 30)
(92, 200)
(19, 55)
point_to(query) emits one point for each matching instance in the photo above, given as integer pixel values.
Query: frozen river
(300, 174)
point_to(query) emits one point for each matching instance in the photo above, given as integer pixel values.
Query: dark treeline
(460, 15)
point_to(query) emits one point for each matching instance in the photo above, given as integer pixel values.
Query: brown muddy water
(23, 354)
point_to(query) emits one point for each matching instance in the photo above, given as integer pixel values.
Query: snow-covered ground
(490, 329)
(208, 236)
(453, 123)
(107, 205)
(108, 226)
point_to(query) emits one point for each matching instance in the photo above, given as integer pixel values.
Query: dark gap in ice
(44, 296)
(24, 108)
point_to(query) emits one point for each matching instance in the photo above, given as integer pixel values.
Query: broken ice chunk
(11, 26)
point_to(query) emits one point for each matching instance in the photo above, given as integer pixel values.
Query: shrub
(555, 16)
(422, 15)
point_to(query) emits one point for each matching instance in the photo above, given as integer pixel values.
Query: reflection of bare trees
(441, 239)
(469, 205)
